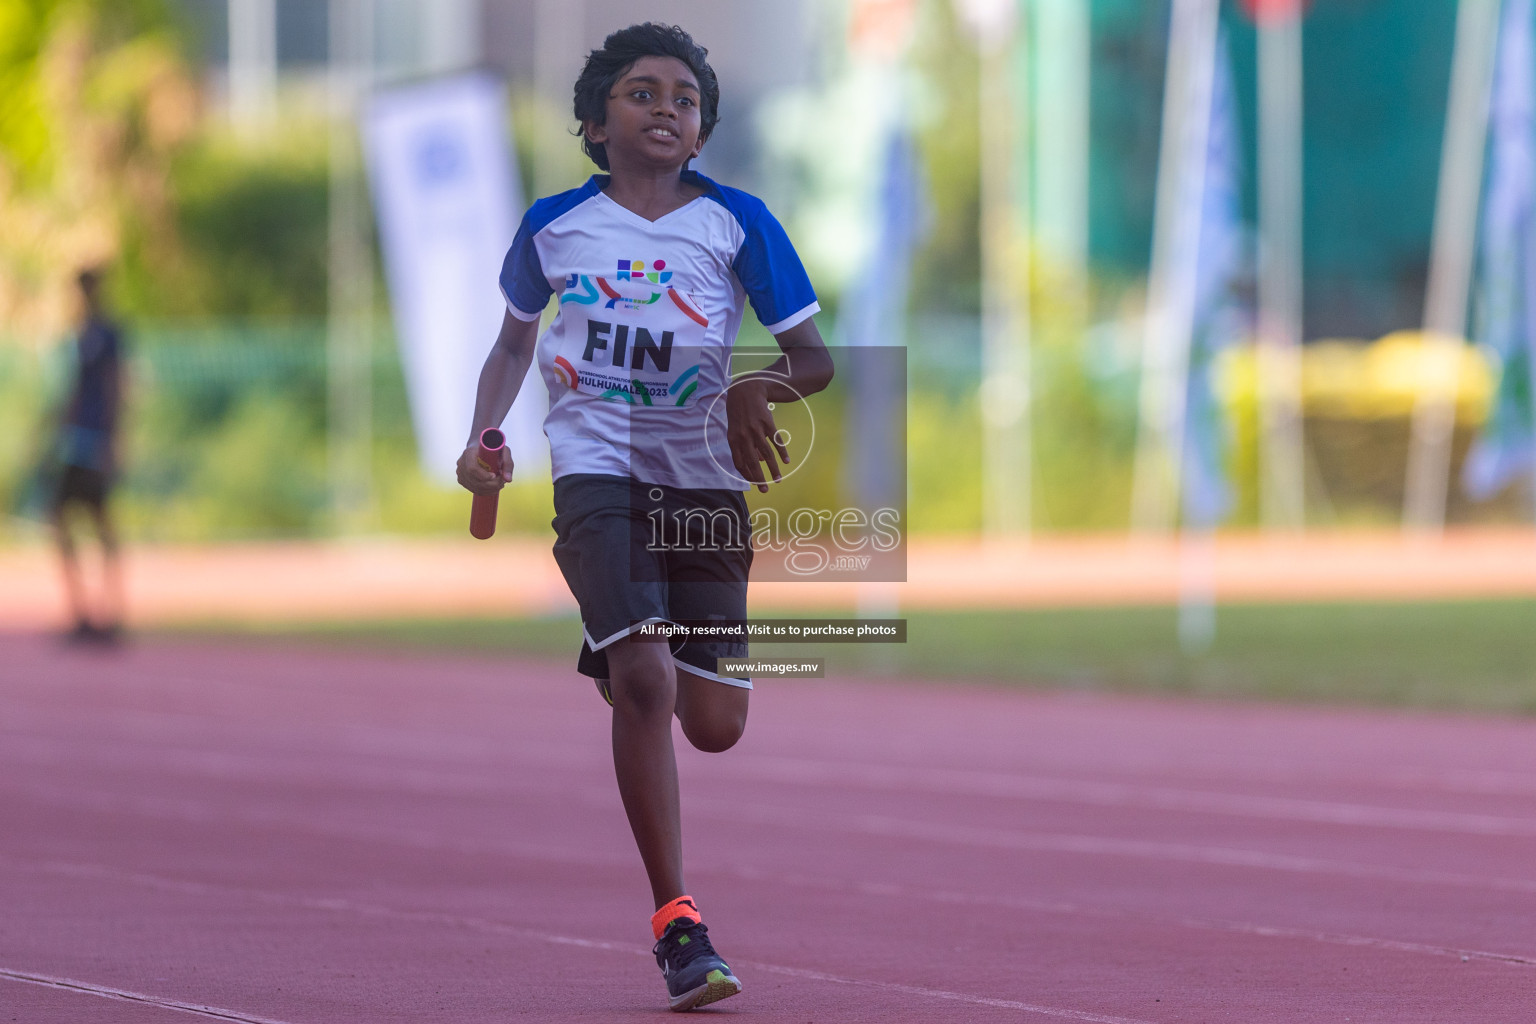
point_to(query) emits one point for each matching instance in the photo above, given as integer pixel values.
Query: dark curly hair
(620, 50)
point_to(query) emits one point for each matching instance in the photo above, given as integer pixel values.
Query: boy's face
(653, 117)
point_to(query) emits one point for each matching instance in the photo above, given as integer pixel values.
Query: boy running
(651, 440)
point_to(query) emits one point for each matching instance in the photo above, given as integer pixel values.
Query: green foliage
(218, 229)
(27, 138)
(944, 462)
(257, 471)
(226, 436)
(226, 440)
(23, 125)
(24, 447)
(1084, 445)
(549, 156)
(946, 272)
(1446, 654)
(94, 102)
(1084, 438)
(252, 225)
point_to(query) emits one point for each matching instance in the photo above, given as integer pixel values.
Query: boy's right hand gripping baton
(482, 513)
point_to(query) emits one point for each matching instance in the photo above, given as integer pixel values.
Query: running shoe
(695, 974)
(605, 690)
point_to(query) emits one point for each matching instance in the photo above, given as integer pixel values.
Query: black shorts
(77, 483)
(634, 553)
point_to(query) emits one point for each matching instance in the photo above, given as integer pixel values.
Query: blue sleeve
(771, 273)
(523, 283)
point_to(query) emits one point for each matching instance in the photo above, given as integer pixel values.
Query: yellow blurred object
(1352, 379)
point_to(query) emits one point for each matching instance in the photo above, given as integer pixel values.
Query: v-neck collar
(599, 182)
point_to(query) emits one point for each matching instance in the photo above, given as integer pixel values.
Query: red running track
(254, 834)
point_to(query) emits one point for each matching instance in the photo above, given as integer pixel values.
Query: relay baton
(482, 512)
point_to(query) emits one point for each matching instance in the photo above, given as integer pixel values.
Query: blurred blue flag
(1507, 313)
(448, 199)
(879, 292)
(1219, 313)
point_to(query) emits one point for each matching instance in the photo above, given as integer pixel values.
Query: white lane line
(1337, 939)
(275, 814)
(936, 993)
(490, 778)
(877, 889)
(485, 925)
(1055, 842)
(905, 894)
(946, 781)
(394, 740)
(1464, 781)
(134, 729)
(126, 995)
(990, 900)
(205, 813)
(40, 756)
(103, 872)
(452, 745)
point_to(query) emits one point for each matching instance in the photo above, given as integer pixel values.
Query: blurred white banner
(448, 202)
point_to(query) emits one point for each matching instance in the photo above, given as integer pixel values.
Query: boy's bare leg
(112, 569)
(74, 585)
(713, 714)
(644, 687)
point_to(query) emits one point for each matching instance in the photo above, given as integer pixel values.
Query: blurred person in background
(87, 454)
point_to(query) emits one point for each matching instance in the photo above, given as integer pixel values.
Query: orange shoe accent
(683, 906)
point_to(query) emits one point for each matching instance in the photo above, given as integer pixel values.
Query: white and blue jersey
(637, 360)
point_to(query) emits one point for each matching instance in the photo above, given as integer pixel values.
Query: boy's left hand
(750, 431)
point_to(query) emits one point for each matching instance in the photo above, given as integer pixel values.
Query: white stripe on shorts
(745, 684)
(596, 646)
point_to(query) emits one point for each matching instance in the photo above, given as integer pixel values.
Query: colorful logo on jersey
(585, 296)
(587, 291)
(620, 301)
(634, 270)
(655, 393)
